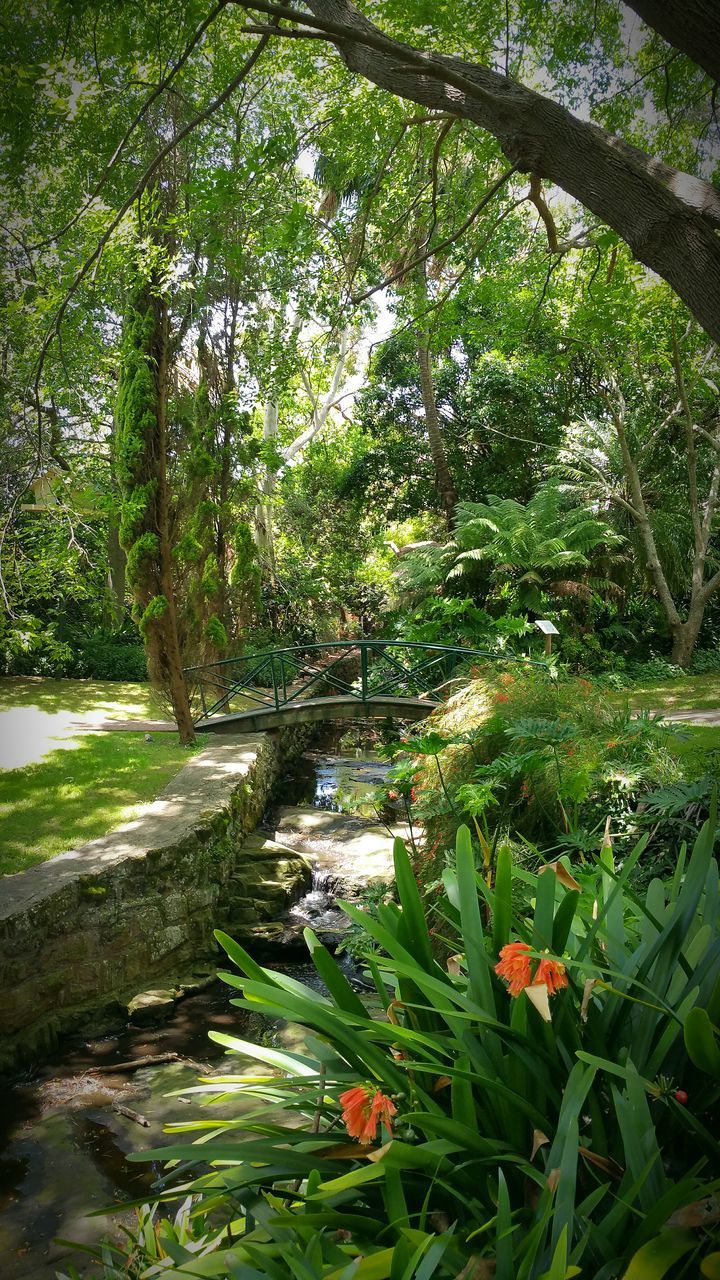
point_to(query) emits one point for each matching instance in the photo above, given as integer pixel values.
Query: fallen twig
(150, 1060)
(131, 1115)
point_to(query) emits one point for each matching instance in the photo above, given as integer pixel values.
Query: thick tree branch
(667, 217)
(690, 25)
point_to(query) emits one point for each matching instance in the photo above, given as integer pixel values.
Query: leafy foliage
(545, 1135)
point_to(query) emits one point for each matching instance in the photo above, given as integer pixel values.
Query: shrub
(106, 659)
(548, 1092)
(516, 751)
(705, 661)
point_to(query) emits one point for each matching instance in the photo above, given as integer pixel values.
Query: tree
(668, 217)
(142, 463)
(684, 618)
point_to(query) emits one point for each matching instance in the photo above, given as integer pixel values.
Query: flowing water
(64, 1143)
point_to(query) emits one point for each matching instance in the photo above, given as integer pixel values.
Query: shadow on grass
(122, 699)
(684, 693)
(76, 795)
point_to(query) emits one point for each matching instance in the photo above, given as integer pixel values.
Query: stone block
(151, 1006)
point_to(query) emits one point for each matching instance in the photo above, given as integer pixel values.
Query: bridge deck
(307, 711)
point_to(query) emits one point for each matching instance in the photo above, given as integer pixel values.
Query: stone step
(258, 847)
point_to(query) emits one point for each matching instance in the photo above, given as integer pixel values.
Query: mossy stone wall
(82, 934)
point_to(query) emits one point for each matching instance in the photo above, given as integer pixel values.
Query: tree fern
(533, 548)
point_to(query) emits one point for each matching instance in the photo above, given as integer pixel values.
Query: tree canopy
(400, 257)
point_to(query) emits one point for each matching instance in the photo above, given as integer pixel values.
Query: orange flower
(514, 966)
(363, 1110)
(505, 678)
(501, 697)
(553, 974)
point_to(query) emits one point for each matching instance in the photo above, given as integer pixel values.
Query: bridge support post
(276, 691)
(364, 671)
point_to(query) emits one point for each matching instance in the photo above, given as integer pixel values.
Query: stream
(63, 1141)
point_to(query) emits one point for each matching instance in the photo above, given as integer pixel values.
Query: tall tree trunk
(169, 657)
(685, 634)
(445, 483)
(264, 511)
(116, 572)
(141, 451)
(685, 631)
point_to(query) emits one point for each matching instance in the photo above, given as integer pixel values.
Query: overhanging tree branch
(142, 111)
(667, 217)
(135, 194)
(690, 25)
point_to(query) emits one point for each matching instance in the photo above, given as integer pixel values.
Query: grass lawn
(681, 693)
(60, 787)
(693, 745)
(85, 787)
(116, 700)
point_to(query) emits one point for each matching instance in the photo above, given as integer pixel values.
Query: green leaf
(414, 933)
(544, 912)
(654, 1259)
(700, 1043)
(333, 977)
(562, 923)
(502, 898)
(479, 982)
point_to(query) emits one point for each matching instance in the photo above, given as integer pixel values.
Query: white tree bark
(321, 410)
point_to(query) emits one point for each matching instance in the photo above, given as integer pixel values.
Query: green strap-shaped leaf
(544, 912)
(333, 977)
(562, 923)
(240, 957)
(654, 1259)
(700, 1042)
(502, 899)
(413, 932)
(479, 982)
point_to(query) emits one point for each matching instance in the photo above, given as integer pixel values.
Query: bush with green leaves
(566, 1129)
(520, 556)
(517, 751)
(705, 661)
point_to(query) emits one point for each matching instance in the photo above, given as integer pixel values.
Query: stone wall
(83, 934)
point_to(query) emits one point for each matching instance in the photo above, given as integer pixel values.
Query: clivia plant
(538, 1105)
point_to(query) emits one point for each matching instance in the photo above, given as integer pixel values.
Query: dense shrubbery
(110, 656)
(519, 753)
(29, 648)
(533, 1093)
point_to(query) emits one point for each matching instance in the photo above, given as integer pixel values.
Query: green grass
(693, 745)
(82, 789)
(117, 700)
(679, 693)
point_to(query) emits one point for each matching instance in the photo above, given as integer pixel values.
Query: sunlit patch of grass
(72, 796)
(679, 693)
(693, 745)
(117, 700)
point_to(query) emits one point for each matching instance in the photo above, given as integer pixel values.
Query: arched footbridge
(340, 680)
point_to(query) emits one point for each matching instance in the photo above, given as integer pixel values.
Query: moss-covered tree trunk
(141, 450)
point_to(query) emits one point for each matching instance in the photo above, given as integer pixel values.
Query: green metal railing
(379, 668)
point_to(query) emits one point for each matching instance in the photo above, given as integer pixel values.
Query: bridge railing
(361, 669)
